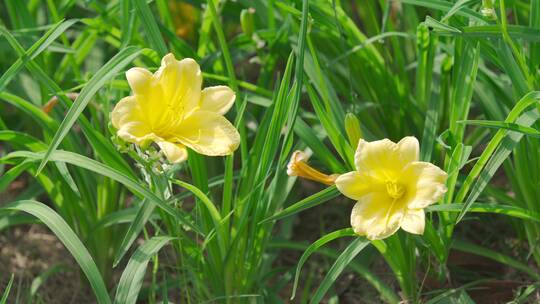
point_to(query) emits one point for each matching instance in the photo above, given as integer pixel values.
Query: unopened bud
(246, 21)
(298, 166)
(352, 127)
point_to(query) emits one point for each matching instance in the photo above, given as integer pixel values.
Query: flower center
(394, 190)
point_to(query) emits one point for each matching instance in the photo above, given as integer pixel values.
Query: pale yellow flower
(170, 109)
(391, 188)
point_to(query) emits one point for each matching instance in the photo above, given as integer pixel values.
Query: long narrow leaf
(99, 168)
(42, 44)
(5, 295)
(509, 210)
(132, 277)
(107, 72)
(339, 265)
(62, 230)
(309, 202)
(314, 247)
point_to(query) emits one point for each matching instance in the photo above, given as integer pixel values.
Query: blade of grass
(446, 6)
(144, 212)
(102, 169)
(496, 256)
(509, 210)
(37, 48)
(309, 202)
(42, 278)
(16, 219)
(5, 295)
(529, 131)
(314, 247)
(385, 291)
(133, 275)
(153, 35)
(528, 100)
(339, 265)
(108, 71)
(62, 230)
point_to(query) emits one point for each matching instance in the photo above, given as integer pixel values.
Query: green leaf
(144, 212)
(12, 174)
(359, 268)
(7, 221)
(504, 125)
(509, 210)
(39, 280)
(309, 202)
(62, 230)
(320, 150)
(446, 6)
(22, 140)
(314, 247)
(31, 110)
(105, 73)
(5, 295)
(150, 26)
(339, 265)
(496, 256)
(493, 145)
(133, 275)
(102, 169)
(216, 216)
(37, 48)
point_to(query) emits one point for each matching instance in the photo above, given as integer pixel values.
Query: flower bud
(298, 166)
(247, 22)
(352, 127)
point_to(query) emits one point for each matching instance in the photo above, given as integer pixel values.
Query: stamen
(394, 189)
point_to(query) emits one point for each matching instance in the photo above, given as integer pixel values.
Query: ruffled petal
(356, 184)
(408, 149)
(384, 158)
(217, 99)
(425, 184)
(376, 216)
(414, 221)
(180, 82)
(127, 118)
(126, 110)
(175, 153)
(136, 132)
(140, 80)
(208, 133)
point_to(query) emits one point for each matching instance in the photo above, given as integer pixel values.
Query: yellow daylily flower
(170, 109)
(391, 188)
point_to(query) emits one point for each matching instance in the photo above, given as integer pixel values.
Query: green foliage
(310, 75)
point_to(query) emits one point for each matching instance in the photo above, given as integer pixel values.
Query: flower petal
(126, 110)
(376, 216)
(175, 153)
(208, 133)
(355, 184)
(414, 221)
(385, 158)
(136, 132)
(408, 149)
(140, 80)
(180, 82)
(217, 99)
(425, 184)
